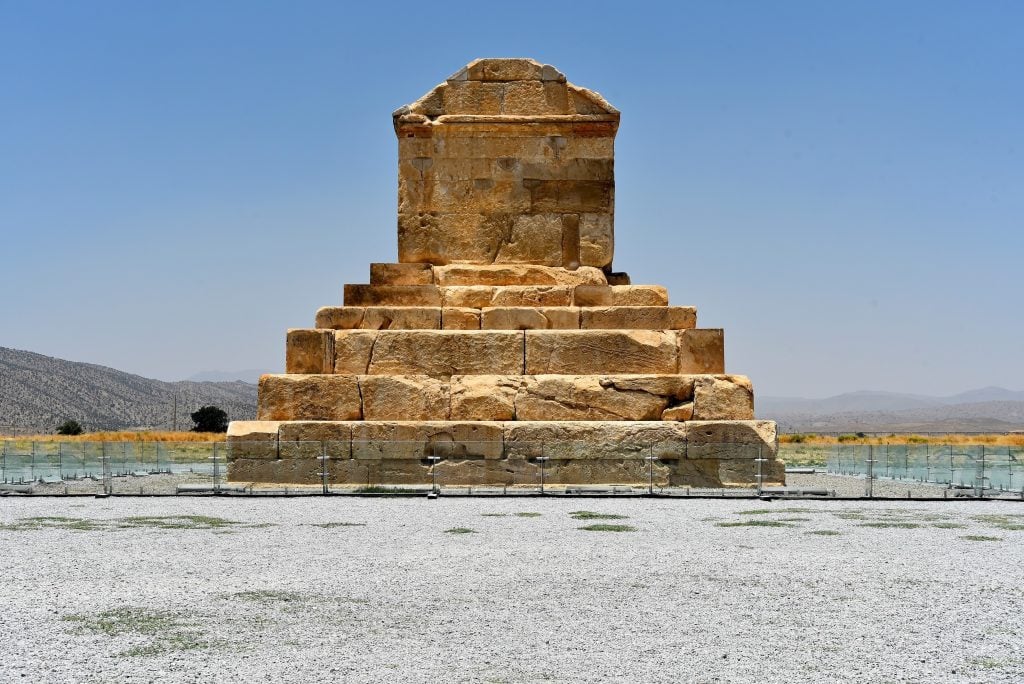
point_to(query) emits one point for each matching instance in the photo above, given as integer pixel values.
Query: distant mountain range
(990, 409)
(250, 375)
(38, 392)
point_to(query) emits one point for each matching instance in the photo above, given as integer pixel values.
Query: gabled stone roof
(507, 87)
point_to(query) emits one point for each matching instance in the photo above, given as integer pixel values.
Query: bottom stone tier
(522, 453)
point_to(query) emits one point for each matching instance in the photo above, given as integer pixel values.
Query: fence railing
(664, 467)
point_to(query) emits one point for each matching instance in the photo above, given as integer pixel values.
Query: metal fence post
(981, 477)
(760, 472)
(323, 466)
(869, 488)
(216, 471)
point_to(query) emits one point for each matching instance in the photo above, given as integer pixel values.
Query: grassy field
(861, 438)
(128, 436)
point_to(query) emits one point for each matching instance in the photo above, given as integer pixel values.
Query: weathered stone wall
(507, 162)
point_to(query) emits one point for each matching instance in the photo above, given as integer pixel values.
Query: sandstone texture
(502, 346)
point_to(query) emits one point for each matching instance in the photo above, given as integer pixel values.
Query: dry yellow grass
(994, 439)
(129, 436)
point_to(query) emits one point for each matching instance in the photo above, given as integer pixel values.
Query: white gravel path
(523, 599)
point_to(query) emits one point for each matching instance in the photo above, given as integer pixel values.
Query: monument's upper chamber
(507, 162)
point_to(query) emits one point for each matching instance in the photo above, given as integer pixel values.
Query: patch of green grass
(1009, 521)
(54, 522)
(981, 538)
(180, 522)
(494, 515)
(770, 511)
(824, 533)
(460, 530)
(165, 631)
(527, 514)
(608, 527)
(794, 519)
(591, 515)
(891, 524)
(332, 525)
(948, 525)
(270, 596)
(755, 523)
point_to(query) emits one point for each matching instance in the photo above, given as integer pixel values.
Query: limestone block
(309, 351)
(308, 397)
(597, 239)
(535, 98)
(732, 439)
(743, 473)
(729, 397)
(511, 295)
(515, 274)
(570, 196)
(699, 473)
(379, 317)
(701, 350)
(352, 350)
(314, 438)
(533, 239)
(468, 297)
(392, 295)
(444, 238)
(473, 97)
(402, 397)
(252, 439)
(620, 295)
(595, 440)
(444, 353)
(395, 440)
(591, 352)
(401, 274)
(484, 397)
(638, 318)
(457, 318)
(681, 412)
(531, 318)
(587, 397)
(279, 471)
(504, 69)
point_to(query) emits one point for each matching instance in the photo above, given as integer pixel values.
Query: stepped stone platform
(502, 346)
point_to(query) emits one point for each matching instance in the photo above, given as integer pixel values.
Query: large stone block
(313, 439)
(309, 397)
(701, 350)
(732, 439)
(453, 318)
(729, 397)
(744, 473)
(620, 295)
(379, 318)
(352, 350)
(252, 439)
(595, 352)
(444, 353)
(539, 295)
(638, 318)
(398, 440)
(531, 318)
(533, 239)
(596, 440)
(402, 397)
(596, 240)
(516, 274)
(309, 351)
(484, 397)
(401, 274)
(392, 295)
(305, 471)
(594, 397)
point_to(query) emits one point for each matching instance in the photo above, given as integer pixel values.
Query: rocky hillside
(39, 392)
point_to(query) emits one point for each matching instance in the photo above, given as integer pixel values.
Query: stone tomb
(503, 339)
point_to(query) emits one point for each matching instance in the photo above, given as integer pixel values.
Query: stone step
(506, 397)
(490, 274)
(443, 353)
(697, 453)
(506, 318)
(484, 296)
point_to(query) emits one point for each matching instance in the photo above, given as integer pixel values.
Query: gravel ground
(361, 590)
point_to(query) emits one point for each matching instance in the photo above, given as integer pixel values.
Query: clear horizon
(836, 186)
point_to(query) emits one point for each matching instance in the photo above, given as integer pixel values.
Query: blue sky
(838, 185)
